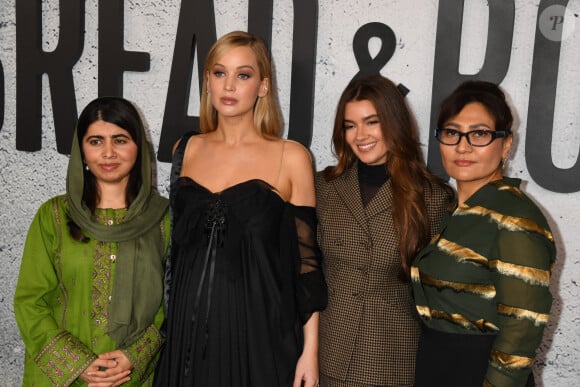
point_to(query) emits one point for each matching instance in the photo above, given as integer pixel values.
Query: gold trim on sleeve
(538, 319)
(507, 361)
(462, 253)
(511, 223)
(486, 291)
(527, 274)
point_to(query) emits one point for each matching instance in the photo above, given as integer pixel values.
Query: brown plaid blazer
(370, 328)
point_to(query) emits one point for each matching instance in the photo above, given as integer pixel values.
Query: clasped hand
(109, 369)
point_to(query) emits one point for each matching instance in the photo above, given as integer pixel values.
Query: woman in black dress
(246, 284)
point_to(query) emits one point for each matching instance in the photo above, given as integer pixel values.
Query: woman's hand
(306, 370)
(307, 367)
(109, 369)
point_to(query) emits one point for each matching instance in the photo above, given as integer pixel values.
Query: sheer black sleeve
(311, 291)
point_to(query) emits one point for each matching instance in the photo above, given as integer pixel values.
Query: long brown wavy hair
(405, 163)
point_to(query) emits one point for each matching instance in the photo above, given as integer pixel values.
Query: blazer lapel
(348, 190)
(382, 201)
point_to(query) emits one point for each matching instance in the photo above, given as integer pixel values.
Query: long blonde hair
(267, 117)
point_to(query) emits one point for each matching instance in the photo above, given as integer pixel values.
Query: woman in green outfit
(481, 286)
(89, 298)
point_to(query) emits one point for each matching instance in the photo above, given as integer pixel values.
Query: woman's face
(234, 83)
(109, 152)
(362, 131)
(473, 167)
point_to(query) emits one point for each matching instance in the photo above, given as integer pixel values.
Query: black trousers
(453, 360)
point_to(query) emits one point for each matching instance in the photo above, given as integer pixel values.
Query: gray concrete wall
(28, 179)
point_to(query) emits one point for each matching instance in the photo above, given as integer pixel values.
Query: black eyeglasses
(479, 137)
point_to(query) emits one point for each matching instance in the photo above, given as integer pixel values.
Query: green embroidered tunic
(62, 297)
(488, 272)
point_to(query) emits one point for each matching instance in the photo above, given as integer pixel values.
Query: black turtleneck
(370, 180)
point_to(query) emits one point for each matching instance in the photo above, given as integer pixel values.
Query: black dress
(245, 276)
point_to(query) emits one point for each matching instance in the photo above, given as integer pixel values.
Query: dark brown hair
(486, 93)
(405, 163)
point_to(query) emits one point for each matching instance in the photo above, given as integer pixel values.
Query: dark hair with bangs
(486, 93)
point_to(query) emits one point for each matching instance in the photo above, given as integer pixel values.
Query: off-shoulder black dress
(245, 276)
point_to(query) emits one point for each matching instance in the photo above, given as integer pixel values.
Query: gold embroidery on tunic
(58, 262)
(60, 359)
(102, 270)
(101, 284)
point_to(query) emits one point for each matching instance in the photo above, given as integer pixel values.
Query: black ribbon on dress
(215, 226)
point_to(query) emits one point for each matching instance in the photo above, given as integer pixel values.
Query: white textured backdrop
(28, 179)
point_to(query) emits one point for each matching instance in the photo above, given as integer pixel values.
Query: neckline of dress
(235, 186)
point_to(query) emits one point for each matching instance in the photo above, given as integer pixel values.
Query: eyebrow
(238, 68)
(472, 126)
(120, 135)
(364, 118)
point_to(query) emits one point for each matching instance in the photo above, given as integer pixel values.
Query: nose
(109, 150)
(229, 83)
(361, 133)
(463, 146)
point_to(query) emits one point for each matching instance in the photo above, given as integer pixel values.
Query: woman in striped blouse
(481, 285)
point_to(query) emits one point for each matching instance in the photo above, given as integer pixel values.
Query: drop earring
(86, 167)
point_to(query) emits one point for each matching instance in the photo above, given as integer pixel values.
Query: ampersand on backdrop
(360, 46)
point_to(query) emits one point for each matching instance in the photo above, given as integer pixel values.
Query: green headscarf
(134, 301)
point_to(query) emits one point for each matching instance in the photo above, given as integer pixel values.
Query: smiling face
(362, 131)
(473, 167)
(109, 152)
(234, 83)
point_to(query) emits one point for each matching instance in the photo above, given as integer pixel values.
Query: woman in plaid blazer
(377, 207)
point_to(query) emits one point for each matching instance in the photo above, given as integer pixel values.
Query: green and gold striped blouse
(487, 272)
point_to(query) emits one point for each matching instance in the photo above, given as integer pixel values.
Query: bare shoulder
(297, 166)
(294, 152)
